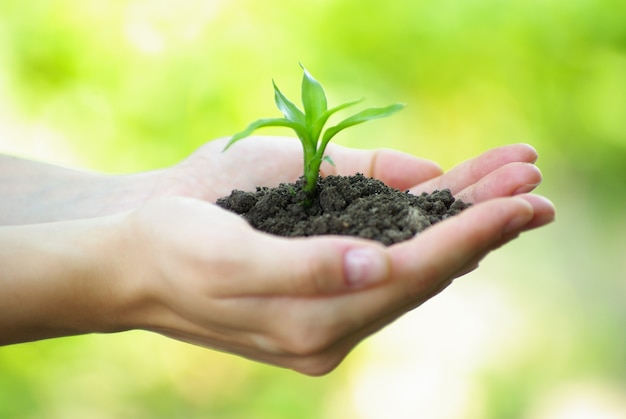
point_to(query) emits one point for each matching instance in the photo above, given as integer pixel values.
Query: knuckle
(421, 286)
(311, 346)
(305, 339)
(313, 277)
(306, 343)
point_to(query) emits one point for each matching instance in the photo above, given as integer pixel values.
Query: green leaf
(313, 98)
(266, 122)
(363, 116)
(287, 107)
(318, 125)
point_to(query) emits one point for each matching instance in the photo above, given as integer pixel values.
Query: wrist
(61, 279)
(40, 193)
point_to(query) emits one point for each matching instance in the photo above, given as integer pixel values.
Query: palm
(255, 162)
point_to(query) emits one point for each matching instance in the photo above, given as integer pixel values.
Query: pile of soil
(344, 205)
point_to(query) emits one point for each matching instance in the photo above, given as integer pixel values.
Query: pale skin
(88, 253)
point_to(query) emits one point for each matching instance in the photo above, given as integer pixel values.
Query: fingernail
(525, 188)
(365, 266)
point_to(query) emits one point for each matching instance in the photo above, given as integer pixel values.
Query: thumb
(321, 265)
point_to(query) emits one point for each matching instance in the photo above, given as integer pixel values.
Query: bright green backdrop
(123, 85)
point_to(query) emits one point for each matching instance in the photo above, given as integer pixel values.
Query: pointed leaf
(261, 123)
(318, 125)
(313, 97)
(363, 116)
(287, 107)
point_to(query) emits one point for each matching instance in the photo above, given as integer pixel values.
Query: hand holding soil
(176, 264)
(300, 303)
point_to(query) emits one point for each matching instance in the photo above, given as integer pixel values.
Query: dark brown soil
(345, 205)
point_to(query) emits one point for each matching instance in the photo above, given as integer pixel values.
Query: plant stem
(311, 174)
(311, 170)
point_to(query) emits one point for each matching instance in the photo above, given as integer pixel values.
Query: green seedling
(309, 125)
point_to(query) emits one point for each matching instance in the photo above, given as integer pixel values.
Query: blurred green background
(537, 332)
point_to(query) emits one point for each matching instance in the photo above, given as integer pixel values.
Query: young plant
(308, 124)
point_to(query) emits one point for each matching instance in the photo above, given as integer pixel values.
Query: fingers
(520, 172)
(309, 266)
(508, 180)
(423, 266)
(544, 211)
(401, 171)
(543, 214)
(331, 264)
(396, 169)
(441, 251)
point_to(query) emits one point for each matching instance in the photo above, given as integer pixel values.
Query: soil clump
(344, 205)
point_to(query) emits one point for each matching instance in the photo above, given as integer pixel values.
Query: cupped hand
(304, 303)
(202, 275)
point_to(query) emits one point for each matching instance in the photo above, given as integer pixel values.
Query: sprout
(309, 125)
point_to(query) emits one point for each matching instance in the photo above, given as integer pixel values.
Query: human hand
(204, 276)
(308, 338)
